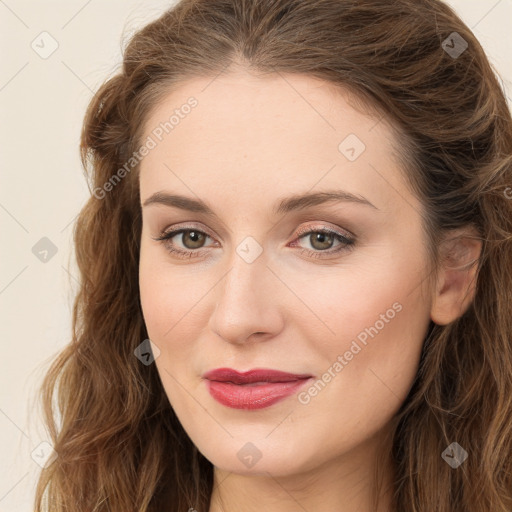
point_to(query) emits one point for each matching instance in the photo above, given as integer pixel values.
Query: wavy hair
(119, 445)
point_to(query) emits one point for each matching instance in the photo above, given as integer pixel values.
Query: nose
(248, 303)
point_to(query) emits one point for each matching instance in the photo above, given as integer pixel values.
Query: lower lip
(252, 396)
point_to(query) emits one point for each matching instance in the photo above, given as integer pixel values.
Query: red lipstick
(254, 389)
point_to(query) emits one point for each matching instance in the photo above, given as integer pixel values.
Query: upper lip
(250, 376)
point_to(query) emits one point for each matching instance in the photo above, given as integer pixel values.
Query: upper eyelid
(186, 227)
(337, 230)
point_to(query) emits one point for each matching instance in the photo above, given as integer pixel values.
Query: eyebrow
(289, 204)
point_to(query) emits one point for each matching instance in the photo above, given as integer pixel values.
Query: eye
(192, 239)
(322, 240)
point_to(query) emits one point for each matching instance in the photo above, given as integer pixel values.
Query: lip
(253, 389)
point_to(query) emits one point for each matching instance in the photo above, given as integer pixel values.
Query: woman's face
(265, 278)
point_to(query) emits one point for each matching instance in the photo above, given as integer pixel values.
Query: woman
(296, 268)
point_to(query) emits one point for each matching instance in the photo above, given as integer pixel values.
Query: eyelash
(347, 243)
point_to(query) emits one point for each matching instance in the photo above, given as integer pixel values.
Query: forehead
(262, 134)
(242, 104)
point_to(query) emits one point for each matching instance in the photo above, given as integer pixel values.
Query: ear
(456, 281)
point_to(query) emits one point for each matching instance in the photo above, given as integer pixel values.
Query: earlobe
(456, 283)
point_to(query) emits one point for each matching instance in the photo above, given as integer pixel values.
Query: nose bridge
(245, 301)
(247, 271)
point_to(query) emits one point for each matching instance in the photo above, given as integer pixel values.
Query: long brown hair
(119, 445)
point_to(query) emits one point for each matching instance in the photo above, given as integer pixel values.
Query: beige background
(42, 102)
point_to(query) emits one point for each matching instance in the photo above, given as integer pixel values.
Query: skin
(251, 141)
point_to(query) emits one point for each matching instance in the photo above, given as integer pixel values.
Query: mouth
(254, 389)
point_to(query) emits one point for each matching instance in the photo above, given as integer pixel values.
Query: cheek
(366, 368)
(167, 294)
(155, 301)
(173, 302)
(371, 348)
(363, 300)
(167, 305)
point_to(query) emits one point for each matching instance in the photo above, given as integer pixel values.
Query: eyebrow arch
(293, 203)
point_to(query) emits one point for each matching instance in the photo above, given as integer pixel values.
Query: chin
(246, 455)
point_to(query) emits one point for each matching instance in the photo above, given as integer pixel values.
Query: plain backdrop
(42, 102)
